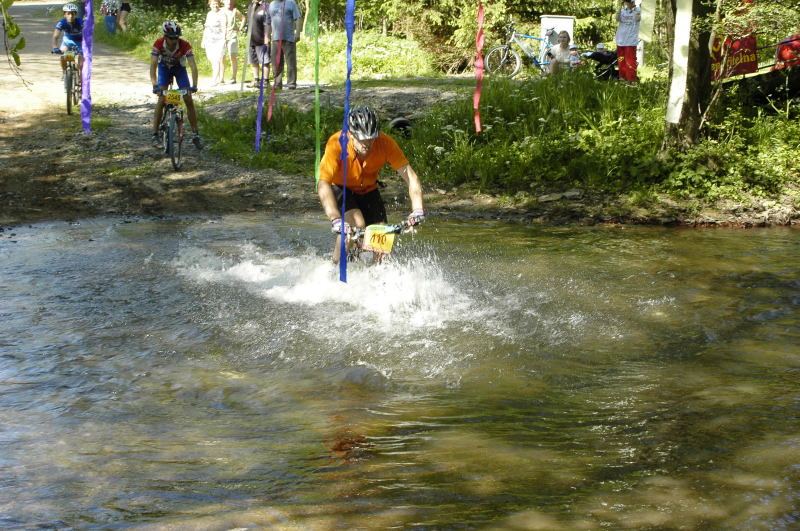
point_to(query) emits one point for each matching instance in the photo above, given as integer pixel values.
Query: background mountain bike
(505, 61)
(72, 78)
(171, 127)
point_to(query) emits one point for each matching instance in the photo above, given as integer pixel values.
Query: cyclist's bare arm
(57, 36)
(414, 186)
(153, 70)
(193, 66)
(328, 200)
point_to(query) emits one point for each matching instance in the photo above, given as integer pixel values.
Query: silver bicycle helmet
(70, 8)
(363, 123)
(171, 29)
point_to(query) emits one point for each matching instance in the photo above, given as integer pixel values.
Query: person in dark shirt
(258, 48)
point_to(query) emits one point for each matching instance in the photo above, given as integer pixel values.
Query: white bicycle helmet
(363, 123)
(171, 29)
(70, 8)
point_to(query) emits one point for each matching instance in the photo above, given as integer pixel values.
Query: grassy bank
(570, 131)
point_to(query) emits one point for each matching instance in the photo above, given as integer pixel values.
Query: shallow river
(215, 374)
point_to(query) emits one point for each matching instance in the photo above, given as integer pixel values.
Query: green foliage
(564, 131)
(13, 41)
(281, 136)
(374, 55)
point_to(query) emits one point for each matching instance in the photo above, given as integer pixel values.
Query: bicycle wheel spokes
(503, 61)
(69, 85)
(175, 140)
(76, 88)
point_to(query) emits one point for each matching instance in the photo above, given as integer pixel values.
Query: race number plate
(69, 57)
(377, 239)
(173, 97)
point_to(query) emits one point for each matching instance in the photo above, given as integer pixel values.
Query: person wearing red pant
(628, 17)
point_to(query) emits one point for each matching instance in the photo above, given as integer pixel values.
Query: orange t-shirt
(362, 177)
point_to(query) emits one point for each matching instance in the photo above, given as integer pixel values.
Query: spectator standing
(213, 41)
(629, 17)
(283, 29)
(258, 47)
(234, 22)
(122, 16)
(109, 10)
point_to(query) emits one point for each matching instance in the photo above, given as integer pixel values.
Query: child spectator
(574, 57)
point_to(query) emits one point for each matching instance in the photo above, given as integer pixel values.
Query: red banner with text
(733, 57)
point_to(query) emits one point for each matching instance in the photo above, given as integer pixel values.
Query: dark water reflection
(194, 373)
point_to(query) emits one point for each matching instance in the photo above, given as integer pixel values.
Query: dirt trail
(50, 169)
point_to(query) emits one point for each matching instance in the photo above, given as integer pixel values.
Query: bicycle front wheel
(503, 61)
(175, 140)
(76, 89)
(69, 86)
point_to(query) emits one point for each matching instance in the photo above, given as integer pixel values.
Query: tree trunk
(685, 132)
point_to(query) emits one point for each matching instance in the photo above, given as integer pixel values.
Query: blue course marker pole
(349, 24)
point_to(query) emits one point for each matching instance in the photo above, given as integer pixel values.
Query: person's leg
(632, 63)
(190, 111)
(159, 112)
(122, 21)
(276, 55)
(627, 63)
(232, 51)
(252, 58)
(290, 53)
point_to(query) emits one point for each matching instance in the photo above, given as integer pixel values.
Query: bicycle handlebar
(401, 226)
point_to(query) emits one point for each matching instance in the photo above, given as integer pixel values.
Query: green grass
(551, 135)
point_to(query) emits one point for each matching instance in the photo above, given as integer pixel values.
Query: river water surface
(214, 374)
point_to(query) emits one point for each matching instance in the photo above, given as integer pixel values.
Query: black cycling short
(125, 7)
(370, 204)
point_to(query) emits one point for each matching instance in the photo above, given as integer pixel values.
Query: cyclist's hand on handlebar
(56, 50)
(192, 89)
(336, 226)
(416, 217)
(156, 89)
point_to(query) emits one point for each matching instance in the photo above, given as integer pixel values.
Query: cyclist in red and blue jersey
(69, 34)
(168, 62)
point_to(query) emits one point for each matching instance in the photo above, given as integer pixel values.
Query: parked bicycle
(505, 61)
(171, 126)
(72, 77)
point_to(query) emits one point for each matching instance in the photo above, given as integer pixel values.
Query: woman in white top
(559, 54)
(629, 18)
(214, 41)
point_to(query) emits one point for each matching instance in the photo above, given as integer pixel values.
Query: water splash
(417, 293)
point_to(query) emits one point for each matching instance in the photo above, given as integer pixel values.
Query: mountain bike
(171, 126)
(376, 239)
(72, 78)
(505, 61)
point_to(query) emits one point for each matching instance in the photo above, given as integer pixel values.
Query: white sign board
(559, 23)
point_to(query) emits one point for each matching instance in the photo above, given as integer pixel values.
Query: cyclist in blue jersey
(69, 34)
(168, 61)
